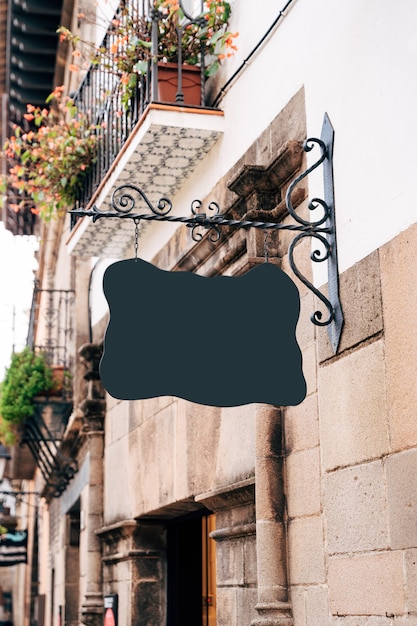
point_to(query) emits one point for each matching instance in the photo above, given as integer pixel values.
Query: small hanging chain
(266, 246)
(136, 220)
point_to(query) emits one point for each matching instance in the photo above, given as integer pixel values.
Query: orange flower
(30, 108)
(76, 53)
(29, 117)
(57, 92)
(73, 68)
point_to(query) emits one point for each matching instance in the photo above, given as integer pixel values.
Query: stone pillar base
(273, 614)
(92, 609)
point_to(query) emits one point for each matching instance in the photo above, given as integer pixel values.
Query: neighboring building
(257, 515)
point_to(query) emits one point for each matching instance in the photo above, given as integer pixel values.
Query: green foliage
(49, 162)
(129, 49)
(27, 376)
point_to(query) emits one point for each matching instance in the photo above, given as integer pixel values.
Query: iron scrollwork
(321, 230)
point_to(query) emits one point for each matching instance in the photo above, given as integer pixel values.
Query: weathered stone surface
(410, 561)
(246, 601)
(402, 498)
(303, 481)
(236, 449)
(399, 295)
(355, 509)
(360, 294)
(272, 561)
(352, 404)
(226, 605)
(309, 366)
(306, 330)
(317, 606)
(371, 584)
(305, 550)
(301, 425)
(369, 621)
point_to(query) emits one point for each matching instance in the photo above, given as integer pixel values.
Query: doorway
(191, 570)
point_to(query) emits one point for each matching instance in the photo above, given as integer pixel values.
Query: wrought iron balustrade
(51, 332)
(43, 433)
(99, 96)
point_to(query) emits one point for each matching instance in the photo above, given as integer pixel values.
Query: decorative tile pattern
(160, 162)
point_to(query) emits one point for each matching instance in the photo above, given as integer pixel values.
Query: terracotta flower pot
(168, 83)
(58, 375)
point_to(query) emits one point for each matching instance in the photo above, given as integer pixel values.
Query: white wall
(357, 61)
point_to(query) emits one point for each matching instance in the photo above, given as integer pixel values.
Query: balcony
(154, 142)
(41, 437)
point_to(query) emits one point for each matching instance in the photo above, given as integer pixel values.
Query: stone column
(273, 606)
(93, 407)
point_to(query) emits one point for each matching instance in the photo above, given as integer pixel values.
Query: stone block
(249, 561)
(301, 425)
(136, 414)
(201, 428)
(352, 408)
(360, 295)
(365, 621)
(146, 604)
(405, 620)
(355, 509)
(230, 562)
(146, 568)
(297, 597)
(226, 606)
(410, 559)
(306, 330)
(246, 598)
(399, 296)
(309, 366)
(402, 498)
(271, 554)
(317, 606)
(164, 459)
(303, 481)
(269, 489)
(305, 549)
(370, 584)
(236, 449)
(268, 431)
(117, 498)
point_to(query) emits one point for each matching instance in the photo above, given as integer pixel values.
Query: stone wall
(351, 456)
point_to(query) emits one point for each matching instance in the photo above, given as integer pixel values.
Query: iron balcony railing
(99, 96)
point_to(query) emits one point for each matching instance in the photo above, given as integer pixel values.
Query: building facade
(169, 512)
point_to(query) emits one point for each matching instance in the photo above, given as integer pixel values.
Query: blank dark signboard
(222, 341)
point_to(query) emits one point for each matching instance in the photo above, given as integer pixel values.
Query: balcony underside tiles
(161, 153)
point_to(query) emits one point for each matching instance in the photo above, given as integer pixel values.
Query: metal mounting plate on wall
(323, 232)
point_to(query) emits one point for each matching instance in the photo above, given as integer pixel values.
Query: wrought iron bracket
(321, 231)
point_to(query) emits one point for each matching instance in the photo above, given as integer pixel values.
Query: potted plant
(27, 376)
(127, 48)
(49, 158)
